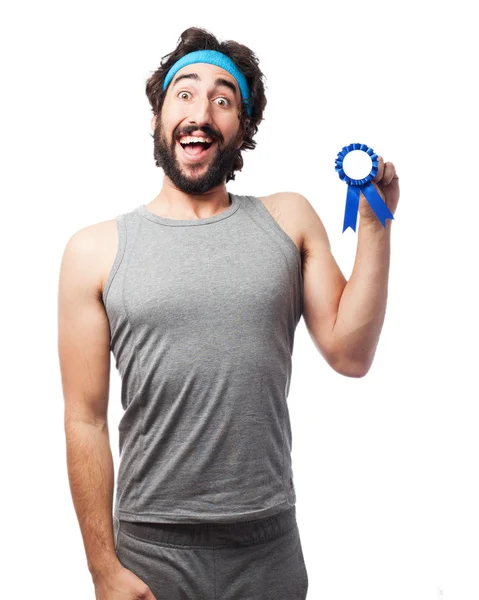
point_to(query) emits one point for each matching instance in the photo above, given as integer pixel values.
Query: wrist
(374, 226)
(105, 568)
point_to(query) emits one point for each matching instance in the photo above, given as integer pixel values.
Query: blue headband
(212, 57)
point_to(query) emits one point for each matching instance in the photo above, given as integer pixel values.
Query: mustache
(208, 132)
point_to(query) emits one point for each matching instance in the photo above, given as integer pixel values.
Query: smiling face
(202, 100)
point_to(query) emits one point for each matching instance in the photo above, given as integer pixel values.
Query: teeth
(190, 138)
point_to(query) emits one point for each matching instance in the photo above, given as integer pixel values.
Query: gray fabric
(202, 318)
(256, 560)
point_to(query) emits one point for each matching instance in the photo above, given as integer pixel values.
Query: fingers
(379, 174)
(386, 172)
(389, 173)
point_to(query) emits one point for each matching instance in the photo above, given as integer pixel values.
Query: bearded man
(198, 294)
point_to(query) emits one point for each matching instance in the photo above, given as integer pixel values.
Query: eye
(224, 98)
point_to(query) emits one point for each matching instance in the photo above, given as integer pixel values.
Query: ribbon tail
(352, 205)
(377, 203)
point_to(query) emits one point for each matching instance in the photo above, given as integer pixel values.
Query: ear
(153, 122)
(241, 133)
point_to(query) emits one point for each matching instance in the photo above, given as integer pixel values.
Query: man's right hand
(121, 584)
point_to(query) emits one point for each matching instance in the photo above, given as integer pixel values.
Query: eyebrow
(219, 81)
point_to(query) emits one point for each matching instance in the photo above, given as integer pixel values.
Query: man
(198, 295)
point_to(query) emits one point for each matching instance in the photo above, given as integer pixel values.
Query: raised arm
(345, 318)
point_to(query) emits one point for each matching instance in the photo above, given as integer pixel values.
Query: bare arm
(344, 318)
(84, 353)
(362, 307)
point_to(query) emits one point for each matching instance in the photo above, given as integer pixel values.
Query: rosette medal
(356, 160)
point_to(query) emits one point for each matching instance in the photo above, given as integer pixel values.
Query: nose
(199, 112)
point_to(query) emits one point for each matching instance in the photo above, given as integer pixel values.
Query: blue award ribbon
(355, 186)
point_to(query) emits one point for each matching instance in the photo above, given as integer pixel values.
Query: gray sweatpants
(251, 560)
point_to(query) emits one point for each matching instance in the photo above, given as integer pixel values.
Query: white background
(386, 467)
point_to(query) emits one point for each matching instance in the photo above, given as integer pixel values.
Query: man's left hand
(386, 183)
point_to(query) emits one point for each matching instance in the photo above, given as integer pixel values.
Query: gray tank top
(202, 319)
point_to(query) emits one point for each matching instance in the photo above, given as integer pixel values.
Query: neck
(173, 203)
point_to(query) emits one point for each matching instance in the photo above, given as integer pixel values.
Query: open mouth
(197, 150)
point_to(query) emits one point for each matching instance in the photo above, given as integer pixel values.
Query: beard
(220, 163)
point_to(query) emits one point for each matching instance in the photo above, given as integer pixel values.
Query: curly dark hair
(196, 38)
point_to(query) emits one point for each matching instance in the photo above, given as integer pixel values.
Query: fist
(386, 184)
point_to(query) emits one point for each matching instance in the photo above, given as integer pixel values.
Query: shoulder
(292, 204)
(289, 205)
(89, 250)
(283, 208)
(296, 210)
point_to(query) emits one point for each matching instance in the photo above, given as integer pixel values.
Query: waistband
(213, 534)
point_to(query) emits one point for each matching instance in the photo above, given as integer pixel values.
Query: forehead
(205, 74)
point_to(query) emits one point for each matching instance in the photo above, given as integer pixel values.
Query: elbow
(353, 372)
(351, 369)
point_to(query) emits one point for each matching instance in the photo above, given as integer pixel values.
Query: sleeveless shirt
(202, 317)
